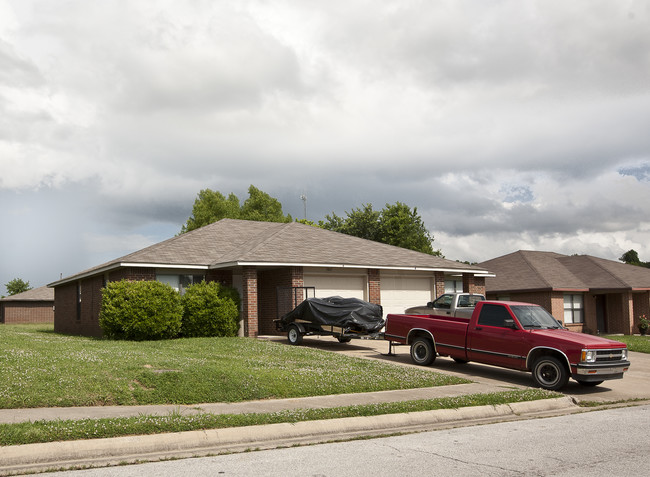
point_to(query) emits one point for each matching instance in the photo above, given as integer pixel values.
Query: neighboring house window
(573, 309)
(452, 286)
(180, 282)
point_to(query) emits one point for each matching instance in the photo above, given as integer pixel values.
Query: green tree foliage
(144, 310)
(631, 257)
(209, 310)
(16, 286)
(395, 224)
(211, 206)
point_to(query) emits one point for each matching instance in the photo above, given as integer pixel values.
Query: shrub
(209, 310)
(144, 310)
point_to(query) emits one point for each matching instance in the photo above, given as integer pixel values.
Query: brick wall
(132, 273)
(249, 301)
(374, 286)
(23, 312)
(224, 277)
(439, 283)
(65, 309)
(472, 284)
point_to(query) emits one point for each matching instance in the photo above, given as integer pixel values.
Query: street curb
(110, 451)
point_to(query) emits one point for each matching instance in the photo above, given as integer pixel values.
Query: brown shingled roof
(231, 242)
(527, 270)
(35, 294)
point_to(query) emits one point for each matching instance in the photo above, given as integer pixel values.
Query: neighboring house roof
(527, 270)
(230, 242)
(35, 294)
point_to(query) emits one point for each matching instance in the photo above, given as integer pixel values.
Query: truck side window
(443, 302)
(493, 315)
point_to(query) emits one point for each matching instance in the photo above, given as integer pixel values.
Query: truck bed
(450, 332)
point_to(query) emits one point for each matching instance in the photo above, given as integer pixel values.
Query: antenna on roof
(303, 197)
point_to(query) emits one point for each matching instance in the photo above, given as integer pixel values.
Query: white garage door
(399, 293)
(337, 285)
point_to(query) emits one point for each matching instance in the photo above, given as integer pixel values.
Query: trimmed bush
(209, 310)
(144, 310)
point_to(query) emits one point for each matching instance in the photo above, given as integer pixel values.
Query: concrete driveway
(635, 384)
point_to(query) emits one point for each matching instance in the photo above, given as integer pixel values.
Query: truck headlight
(588, 356)
(624, 354)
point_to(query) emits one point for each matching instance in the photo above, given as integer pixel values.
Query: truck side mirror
(430, 304)
(509, 323)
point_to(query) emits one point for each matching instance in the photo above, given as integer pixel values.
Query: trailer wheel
(294, 335)
(549, 373)
(422, 352)
(343, 339)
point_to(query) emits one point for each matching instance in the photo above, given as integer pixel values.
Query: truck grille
(607, 355)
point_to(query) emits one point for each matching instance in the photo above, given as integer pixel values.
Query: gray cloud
(507, 124)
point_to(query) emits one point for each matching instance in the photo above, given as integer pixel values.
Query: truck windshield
(536, 317)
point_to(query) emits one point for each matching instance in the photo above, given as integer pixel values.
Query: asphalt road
(610, 442)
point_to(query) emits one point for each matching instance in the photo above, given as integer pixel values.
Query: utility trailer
(343, 318)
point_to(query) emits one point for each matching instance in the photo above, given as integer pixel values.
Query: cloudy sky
(508, 124)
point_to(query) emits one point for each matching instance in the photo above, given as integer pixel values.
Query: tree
(16, 286)
(262, 207)
(395, 225)
(211, 206)
(630, 257)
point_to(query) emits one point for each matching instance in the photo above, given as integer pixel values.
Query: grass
(640, 344)
(64, 430)
(39, 368)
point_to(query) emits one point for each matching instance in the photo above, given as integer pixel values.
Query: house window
(573, 309)
(452, 286)
(180, 282)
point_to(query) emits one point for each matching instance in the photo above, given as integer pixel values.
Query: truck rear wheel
(294, 335)
(549, 373)
(422, 352)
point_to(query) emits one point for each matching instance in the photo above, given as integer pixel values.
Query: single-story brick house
(273, 265)
(589, 294)
(32, 306)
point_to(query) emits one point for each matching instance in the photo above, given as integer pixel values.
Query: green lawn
(39, 368)
(634, 343)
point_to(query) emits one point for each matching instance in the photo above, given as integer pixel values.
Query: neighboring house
(273, 265)
(32, 306)
(586, 293)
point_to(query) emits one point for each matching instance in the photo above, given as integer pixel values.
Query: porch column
(249, 301)
(472, 284)
(374, 286)
(439, 283)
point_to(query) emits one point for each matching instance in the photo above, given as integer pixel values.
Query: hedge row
(151, 310)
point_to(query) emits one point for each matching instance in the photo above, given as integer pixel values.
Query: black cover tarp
(353, 313)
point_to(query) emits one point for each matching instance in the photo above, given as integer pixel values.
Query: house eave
(477, 273)
(115, 266)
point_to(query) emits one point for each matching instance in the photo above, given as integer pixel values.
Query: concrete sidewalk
(98, 452)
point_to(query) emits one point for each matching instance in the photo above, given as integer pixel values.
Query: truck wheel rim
(420, 352)
(548, 374)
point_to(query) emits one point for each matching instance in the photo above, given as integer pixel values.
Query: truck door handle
(479, 328)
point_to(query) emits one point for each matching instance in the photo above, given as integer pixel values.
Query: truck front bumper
(600, 371)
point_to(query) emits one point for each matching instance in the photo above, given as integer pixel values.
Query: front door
(601, 313)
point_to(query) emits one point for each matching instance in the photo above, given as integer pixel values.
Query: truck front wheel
(549, 373)
(422, 352)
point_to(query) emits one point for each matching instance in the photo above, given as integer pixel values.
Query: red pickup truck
(513, 335)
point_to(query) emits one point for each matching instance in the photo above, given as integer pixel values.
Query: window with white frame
(180, 282)
(573, 308)
(452, 286)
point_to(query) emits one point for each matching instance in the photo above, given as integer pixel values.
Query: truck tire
(549, 373)
(294, 335)
(422, 351)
